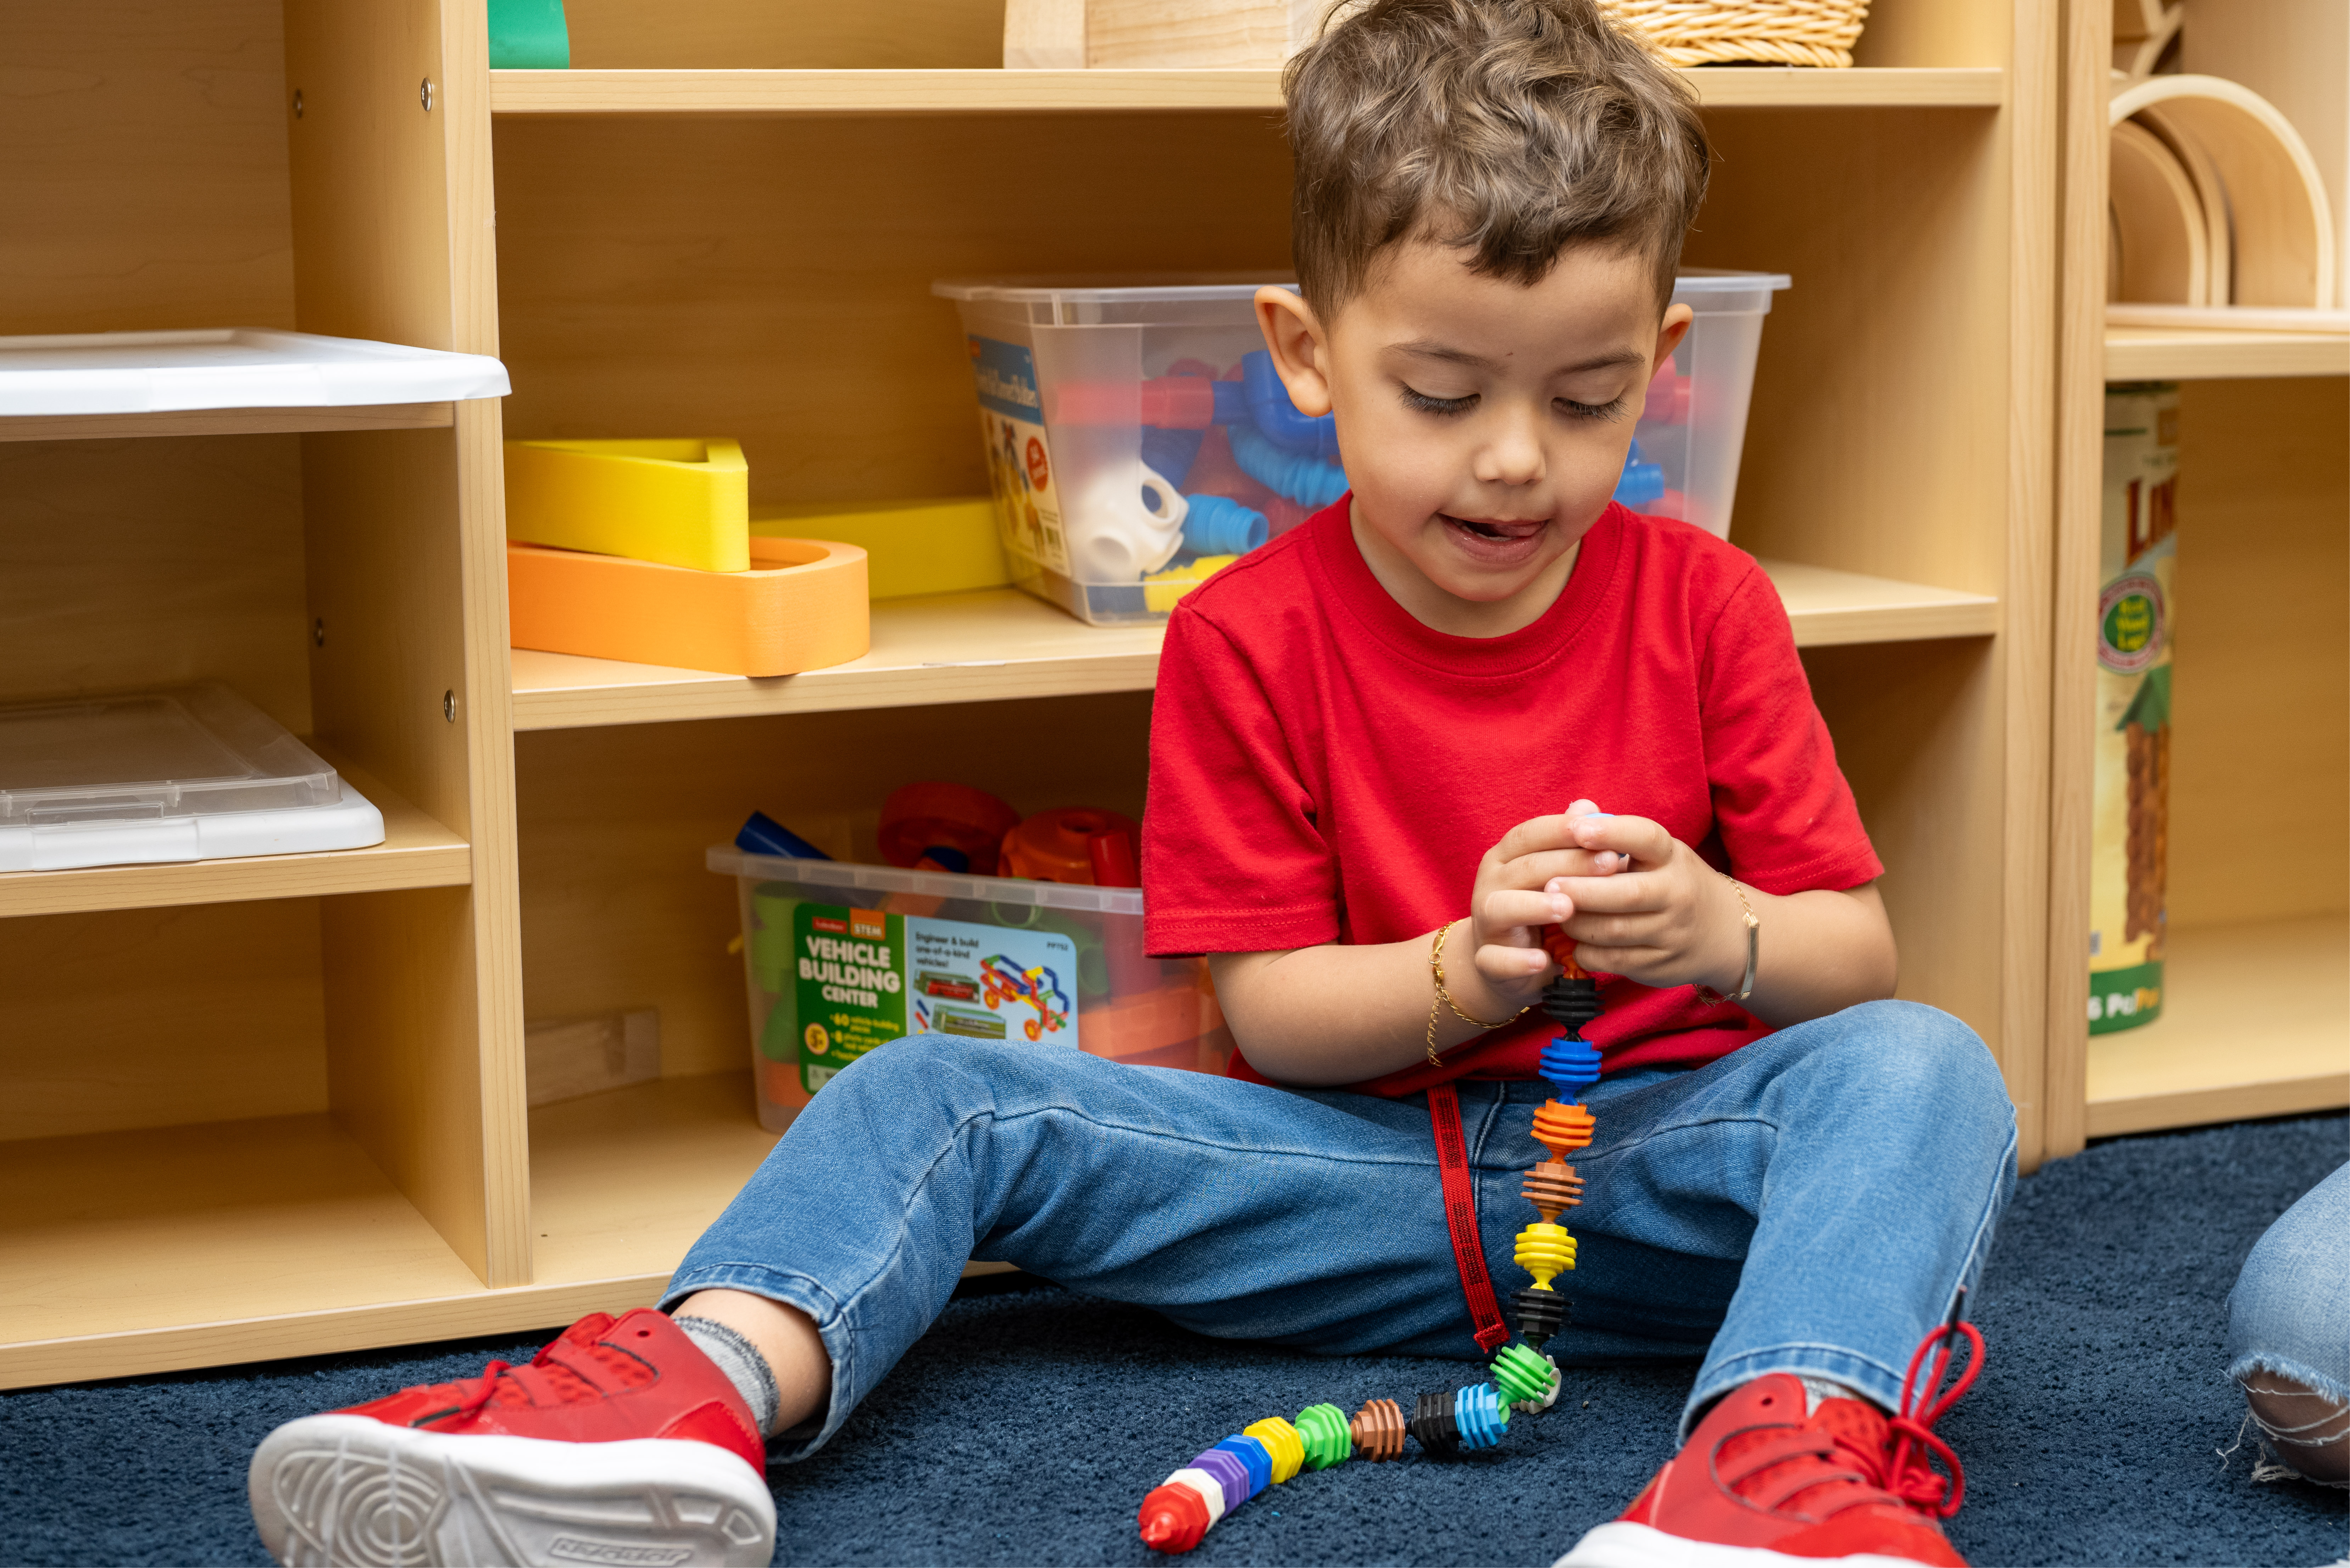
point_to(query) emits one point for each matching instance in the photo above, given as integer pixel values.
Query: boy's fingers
(1537, 834)
(1631, 892)
(1497, 962)
(1510, 907)
(1549, 865)
(1646, 841)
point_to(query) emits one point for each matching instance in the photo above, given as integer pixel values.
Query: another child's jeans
(2290, 1312)
(1807, 1204)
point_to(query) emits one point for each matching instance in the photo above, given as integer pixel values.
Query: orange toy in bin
(1054, 845)
(802, 605)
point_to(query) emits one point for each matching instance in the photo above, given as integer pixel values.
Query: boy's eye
(1420, 402)
(1573, 410)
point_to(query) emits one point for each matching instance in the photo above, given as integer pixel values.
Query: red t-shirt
(1324, 768)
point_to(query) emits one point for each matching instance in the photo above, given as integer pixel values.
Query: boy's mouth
(1499, 541)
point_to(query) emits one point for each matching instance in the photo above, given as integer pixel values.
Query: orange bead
(1562, 1129)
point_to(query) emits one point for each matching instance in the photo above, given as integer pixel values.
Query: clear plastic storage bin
(839, 959)
(1685, 451)
(1136, 432)
(192, 773)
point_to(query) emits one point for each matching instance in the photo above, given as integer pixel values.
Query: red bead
(1173, 1519)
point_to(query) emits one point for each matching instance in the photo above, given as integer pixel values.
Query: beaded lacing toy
(1182, 1508)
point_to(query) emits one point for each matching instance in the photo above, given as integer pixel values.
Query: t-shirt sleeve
(1785, 816)
(1233, 857)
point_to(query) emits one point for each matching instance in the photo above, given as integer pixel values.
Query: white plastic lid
(729, 861)
(1113, 290)
(229, 367)
(195, 751)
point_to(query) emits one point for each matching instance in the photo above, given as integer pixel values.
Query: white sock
(744, 1366)
(1818, 1388)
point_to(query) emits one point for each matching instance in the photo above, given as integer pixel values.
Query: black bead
(1431, 1423)
(1573, 1001)
(1541, 1313)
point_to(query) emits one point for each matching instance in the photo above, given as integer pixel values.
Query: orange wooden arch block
(802, 605)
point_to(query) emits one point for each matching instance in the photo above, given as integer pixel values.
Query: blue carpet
(1028, 1424)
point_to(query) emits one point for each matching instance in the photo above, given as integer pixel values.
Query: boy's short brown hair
(1511, 128)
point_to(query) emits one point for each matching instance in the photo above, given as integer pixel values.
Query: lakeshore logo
(617, 1555)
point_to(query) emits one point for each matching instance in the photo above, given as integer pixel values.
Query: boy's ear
(1670, 333)
(1293, 335)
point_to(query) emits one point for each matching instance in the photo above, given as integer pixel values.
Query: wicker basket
(1766, 32)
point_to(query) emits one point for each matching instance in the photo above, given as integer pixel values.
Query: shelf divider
(226, 421)
(2190, 353)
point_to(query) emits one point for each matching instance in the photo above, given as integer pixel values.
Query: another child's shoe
(1761, 1482)
(620, 1445)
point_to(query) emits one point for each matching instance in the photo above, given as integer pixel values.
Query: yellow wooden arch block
(682, 503)
(802, 605)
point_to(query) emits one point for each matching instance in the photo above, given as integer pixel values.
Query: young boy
(1471, 701)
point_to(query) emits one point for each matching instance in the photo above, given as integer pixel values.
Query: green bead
(1520, 1374)
(1323, 1428)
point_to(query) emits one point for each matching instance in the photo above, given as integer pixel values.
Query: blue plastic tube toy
(1276, 418)
(1307, 480)
(1219, 526)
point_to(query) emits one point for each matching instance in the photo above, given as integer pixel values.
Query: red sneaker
(620, 1445)
(1761, 1483)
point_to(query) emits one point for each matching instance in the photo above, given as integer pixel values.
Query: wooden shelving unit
(330, 1146)
(2256, 1009)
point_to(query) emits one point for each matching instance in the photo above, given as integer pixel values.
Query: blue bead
(1252, 1457)
(1481, 1417)
(1569, 1065)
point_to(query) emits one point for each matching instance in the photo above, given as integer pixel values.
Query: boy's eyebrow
(1429, 348)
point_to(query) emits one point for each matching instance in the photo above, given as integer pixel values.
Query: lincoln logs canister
(2130, 838)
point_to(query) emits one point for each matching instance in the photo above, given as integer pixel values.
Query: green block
(1324, 1431)
(528, 35)
(1520, 1374)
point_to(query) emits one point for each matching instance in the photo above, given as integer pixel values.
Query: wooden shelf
(623, 1182)
(2255, 1023)
(832, 92)
(1002, 643)
(133, 1251)
(226, 421)
(416, 852)
(2182, 354)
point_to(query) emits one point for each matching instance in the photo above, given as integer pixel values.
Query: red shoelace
(1908, 1471)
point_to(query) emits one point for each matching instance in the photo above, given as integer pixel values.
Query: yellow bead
(1281, 1441)
(1544, 1251)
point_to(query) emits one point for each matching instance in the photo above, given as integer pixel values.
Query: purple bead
(1229, 1473)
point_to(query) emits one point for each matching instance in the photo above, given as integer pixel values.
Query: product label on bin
(1019, 465)
(865, 977)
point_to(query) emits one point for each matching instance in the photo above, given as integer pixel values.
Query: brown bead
(1552, 1187)
(1378, 1429)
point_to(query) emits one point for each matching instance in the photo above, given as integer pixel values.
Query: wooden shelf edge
(2187, 354)
(1018, 647)
(2230, 1103)
(227, 422)
(521, 1310)
(984, 91)
(417, 851)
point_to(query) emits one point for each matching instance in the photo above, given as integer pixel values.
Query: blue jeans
(2290, 1312)
(1808, 1204)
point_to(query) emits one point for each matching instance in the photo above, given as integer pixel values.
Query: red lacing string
(484, 1387)
(1909, 1474)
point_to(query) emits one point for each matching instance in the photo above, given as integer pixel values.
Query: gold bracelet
(1711, 997)
(1436, 967)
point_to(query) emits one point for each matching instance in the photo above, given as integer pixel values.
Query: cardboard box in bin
(840, 959)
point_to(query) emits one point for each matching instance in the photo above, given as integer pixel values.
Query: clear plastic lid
(1712, 291)
(194, 751)
(1110, 300)
(844, 874)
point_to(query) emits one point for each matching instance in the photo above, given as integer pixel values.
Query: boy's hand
(1668, 919)
(1522, 887)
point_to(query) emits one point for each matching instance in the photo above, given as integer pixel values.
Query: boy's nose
(1514, 454)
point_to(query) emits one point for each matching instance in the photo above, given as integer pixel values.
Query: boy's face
(1484, 423)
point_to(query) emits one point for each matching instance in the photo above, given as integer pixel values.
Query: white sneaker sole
(345, 1490)
(1622, 1545)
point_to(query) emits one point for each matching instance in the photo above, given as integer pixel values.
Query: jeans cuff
(2300, 1372)
(1872, 1380)
(794, 1444)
